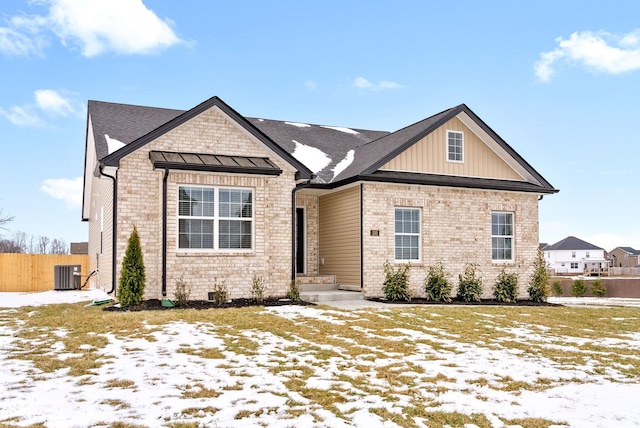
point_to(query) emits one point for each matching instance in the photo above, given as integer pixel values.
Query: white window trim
(216, 221)
(419, 234)
(446, 146)
(512, 236)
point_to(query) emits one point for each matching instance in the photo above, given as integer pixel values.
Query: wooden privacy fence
(34, 272)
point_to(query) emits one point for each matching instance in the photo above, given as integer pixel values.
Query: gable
(429, 155)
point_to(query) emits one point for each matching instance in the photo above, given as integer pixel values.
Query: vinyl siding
(340, 236)
(429, 155)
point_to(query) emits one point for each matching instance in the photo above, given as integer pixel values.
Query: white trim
(419, 259)
(512, 236)
(216, 221)
(452, 131)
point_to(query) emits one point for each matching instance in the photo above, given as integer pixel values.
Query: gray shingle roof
(371, 149)
(572, 243)
(630, 251)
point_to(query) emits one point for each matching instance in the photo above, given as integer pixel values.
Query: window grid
(502, 236)
(214, 218)
(454, 146)
(407, 234)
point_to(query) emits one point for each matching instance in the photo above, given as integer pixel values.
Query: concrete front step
(318, 287)
(320, 279)
(330, 296)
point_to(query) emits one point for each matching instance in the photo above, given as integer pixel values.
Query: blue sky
(559, 81)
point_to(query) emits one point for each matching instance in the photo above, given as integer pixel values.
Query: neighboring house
(217, 196)
(575, 256)
(624, 257)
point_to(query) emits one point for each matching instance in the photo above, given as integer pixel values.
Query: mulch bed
(482, 302)
(156, 305)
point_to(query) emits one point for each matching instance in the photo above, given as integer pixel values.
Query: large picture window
(455, 146)
(215, 218)
(407, 234)
(502, 236)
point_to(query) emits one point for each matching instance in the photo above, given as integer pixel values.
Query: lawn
(70, 365)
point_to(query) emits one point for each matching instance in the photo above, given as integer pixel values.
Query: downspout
(361, 239)
(164, 232)
(114, 233)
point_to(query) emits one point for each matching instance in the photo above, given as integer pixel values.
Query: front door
(300, 241)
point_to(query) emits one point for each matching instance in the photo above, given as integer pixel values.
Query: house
(217, 196)
(575, 256)
(624, 257)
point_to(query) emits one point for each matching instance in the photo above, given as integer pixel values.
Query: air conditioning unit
(66, 277)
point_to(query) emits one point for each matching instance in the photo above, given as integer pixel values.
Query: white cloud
(600, 51)
(53, 102)
(68, 190)
(120, 26)
(22, 116)
(363, 83)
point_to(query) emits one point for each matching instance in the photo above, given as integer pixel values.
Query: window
(407, 234)
(574, 265)
(501, 236)
(573, 254)
(587, 255)
(215, 218)
(454, 146)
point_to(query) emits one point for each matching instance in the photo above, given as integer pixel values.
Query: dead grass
(396, 354)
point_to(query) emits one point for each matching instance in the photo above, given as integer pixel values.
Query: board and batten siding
(429, 155)
(340, 236)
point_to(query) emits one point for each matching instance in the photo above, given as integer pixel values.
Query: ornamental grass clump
(132, 277)
(436, 285)
(294, 290)
(258, 288)
(506, 287)
(539, 280)
(469, 285)
(396, 282)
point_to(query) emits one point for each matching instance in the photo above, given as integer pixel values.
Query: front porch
(324, 288)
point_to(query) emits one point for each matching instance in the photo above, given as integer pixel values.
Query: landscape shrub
(436, 285)
(396, 282)
(469, 285)
(294, 290)
(132, 277)
(182, 293)
(556, 288)
(258, 287)
(578, 288)
(539, 281)
(505, 289)
(598, 288)
(220, 292)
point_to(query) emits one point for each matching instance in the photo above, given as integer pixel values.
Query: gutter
(164, 232)
(114, 227)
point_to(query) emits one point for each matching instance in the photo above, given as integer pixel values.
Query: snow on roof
(113, 144)
(314, 159)
(298, 124)
(343, 164)
(341, 129)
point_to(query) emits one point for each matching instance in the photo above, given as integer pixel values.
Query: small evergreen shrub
(396, 282)
(578, 288)
(294, 290)
(469, 285)
(258, 287)
(220, 293)
(505, 289)
(539, 281)
(556, 288)
(132, 277)
(598, 288)
(182, 293)
(436, 285)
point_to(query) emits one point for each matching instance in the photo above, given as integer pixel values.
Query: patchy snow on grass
(113, 144)
(18, 299)
(313, 158)
(343, 164)
(302, 367)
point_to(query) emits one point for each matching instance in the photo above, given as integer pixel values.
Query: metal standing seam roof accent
(213, 163)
